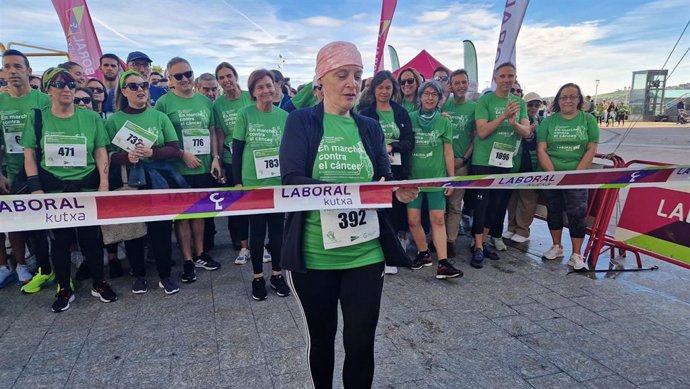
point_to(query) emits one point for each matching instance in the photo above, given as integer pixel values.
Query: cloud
(322, 21)
(433, 16)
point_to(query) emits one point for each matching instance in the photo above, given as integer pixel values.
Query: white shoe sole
(518, 239)
(507, 235)
(160, 285)
(96, 294)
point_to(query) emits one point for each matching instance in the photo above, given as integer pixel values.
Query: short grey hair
(436, 86)
(174, 61)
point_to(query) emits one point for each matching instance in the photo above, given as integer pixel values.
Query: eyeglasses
(61, 85)
(187, 74)
(85, 100)
(441, 78)
(430, 94)
(571, 98)
(513, 90)
(97, 90)
(140, 64)
(409, 81)
(533, 105)
(34, 86)
(3, 82)
(156, 82)
(134, 86)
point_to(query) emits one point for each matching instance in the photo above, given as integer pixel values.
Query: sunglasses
(155, 82)
(409, 81)
(3, 82)
(134, 86)
(97, 90)
(85, 100)
(441, 78)
(34, 86)
(61, 85)
(513, 90)
(187, 74)
(318, 87)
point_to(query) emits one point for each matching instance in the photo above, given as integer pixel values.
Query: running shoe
(23, 274)
(63, 298)
(498, 244)
(169, 285)
(507, 234)
(104, 292)
(390, 270)
(517, 238)
(37, 282)
(205, 261)
(422, 260)
(7, 276)
(477, 260)
(267, 256)
(243, 257)
(577, 262)
(489, 252)
(140, 286)
(278, 284)
(555, 252)
(259, 289)
(446, 270)
(188, 273)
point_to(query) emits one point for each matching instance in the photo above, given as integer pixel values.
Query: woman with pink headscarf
(338, 256)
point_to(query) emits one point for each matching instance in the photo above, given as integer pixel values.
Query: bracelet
(216, 157)
(33, 183)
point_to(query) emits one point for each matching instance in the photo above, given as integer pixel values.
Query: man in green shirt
(15, 107)
(460, 110)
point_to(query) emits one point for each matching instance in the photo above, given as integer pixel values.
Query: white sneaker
(267, 256)
(390, 270)
(517, 238)
(24, 274)
(508, 234)
(554, 252)
(243, 257)
(498, 244)
(577, 262)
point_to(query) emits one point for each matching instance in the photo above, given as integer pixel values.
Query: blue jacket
(298, 150)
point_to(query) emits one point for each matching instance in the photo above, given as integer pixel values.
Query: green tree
(157, 68)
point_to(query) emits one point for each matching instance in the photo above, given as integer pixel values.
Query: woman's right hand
(38, 192)
(406, 195)
(133, 157)
(191, 160)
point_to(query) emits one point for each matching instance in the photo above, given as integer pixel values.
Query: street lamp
(596, 90)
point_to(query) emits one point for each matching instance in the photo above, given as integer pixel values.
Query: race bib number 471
(65, 151)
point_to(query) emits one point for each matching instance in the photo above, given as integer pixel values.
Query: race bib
(196, 141)
(65, 151)
(266, 163)
(348, 227)
(131, 134)
(13, 143)
(502, 155)
(396, 159)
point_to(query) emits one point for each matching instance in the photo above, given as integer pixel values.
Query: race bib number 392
(348, 227)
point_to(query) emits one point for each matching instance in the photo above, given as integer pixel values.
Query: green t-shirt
(155, 123)
(262, 133)
(503, 139)
(13, 115)
(192, 118)
(341, 158)
(408, 105)
(427, 157)
(225, 116)
(67, 144)
(462, 119)
(390, 129)
(566, 140)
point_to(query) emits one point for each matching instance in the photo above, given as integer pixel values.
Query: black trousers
(237, 225)
(160, 244)
(502, 199)
(90, 244)
(38, 243)
(257, 233)
(359, 292)
(487, 202)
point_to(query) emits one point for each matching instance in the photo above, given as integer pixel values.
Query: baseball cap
(531, 96)
(135, 55)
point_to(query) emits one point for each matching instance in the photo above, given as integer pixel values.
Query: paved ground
(517, 323)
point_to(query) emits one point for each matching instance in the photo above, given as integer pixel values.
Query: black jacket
(298, 150)
(405, 144)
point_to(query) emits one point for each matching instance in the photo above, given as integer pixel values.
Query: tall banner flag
(82, 42)
(513, 15)
(470, 54)
(387, 11)
(395, 62)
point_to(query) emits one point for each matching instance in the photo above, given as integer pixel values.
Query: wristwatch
(216, 156)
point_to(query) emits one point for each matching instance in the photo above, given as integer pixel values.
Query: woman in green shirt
(256, 139)
(567, 140)
(73, 158)
(409, 80)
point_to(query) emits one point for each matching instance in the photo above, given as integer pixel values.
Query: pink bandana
(335, 55)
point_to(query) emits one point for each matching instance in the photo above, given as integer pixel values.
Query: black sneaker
(64, 297)
(450, 249)
(169, 285)
(279, 285)
(259, 289)
(477, 260)
(489, 252)
(446, 270)
(206, 262)
(139, 286)
(104, 292)
(421, 260)
(115, 268)
(188, 273)
(83, 272)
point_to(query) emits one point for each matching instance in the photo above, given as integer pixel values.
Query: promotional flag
(387, 11)
(470, 54)
(513, 15)
(82, 42)
(395, 62)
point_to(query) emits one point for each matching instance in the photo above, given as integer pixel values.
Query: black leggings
(571, 201)
(487, 201)
(502, 199)
(257, 234)
(359, 293)
(237, 225)
(90, 244)
(38, 243)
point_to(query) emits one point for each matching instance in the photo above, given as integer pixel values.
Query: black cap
(135, 55)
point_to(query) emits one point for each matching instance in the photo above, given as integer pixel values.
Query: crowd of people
(63, 132)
